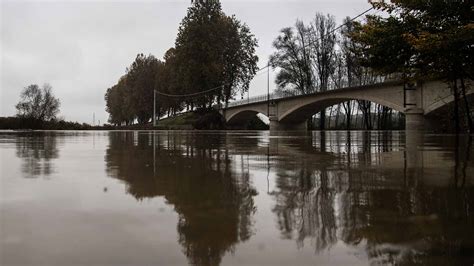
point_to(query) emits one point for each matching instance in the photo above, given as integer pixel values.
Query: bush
(209, 119)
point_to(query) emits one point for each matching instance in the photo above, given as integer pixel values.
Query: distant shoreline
(23, 124)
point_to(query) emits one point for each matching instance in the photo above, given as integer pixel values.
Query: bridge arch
(305, 109)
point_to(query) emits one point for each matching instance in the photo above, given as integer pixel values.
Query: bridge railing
(265, 97)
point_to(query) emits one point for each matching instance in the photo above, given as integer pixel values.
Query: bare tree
(323, 41)
(348, 48)
(293, 58)
(36, 103)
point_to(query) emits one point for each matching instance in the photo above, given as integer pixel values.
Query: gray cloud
(82, 48)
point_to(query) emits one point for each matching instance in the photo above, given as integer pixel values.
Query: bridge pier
(276, 125)
(414, 119)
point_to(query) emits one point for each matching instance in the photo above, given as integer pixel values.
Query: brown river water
(236, 198)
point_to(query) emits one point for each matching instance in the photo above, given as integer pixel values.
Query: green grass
(184, 121)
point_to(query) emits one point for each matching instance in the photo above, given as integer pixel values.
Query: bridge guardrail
(264, 98)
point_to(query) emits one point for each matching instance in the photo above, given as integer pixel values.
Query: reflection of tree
(304, 206)
(398, 222)
(404, 226)
(214, 201)
(304, 197)
(37, 150)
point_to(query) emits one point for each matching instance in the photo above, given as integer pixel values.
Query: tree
(357, 70)
(323, 40)
(214, 51)
(294, 60)
(306, 57)
(38, 103)
(199, 50)
(168, 81)
(112, 99)
(348, 48)
(118, 103)
(240, 61)
(140, 81)
(382, 47)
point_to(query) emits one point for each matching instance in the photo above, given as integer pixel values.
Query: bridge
(287, 111)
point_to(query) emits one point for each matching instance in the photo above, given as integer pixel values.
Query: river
(235, 198)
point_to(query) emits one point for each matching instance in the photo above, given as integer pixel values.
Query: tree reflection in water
(195, 174)
(36, 151)
(401, 211)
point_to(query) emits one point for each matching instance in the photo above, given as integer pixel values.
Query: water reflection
(371, 197)
(402, 200)
(404, 209)
(37, 150)
(214, 201)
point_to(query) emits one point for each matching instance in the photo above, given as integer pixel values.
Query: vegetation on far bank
(198, 119)
(21, 123)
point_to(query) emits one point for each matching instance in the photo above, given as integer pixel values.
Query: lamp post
(154, 108)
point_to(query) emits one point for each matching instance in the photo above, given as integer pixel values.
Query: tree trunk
(338, 111)
(330, 117)
(390, 119)
(356, 120)
(365, 108)
(466, 106)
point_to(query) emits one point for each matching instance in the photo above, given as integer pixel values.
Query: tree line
(213, 60)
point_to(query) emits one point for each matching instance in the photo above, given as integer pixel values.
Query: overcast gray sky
(81, 48)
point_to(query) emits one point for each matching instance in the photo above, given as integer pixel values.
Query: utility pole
(154, 108)
(268, 89)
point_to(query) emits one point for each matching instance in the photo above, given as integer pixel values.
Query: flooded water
(235, 198)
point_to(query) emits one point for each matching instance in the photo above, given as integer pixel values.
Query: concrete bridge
(290, 112)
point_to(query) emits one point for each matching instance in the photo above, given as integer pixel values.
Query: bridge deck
(296, 93)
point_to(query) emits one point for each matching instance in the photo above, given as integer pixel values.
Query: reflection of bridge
(290, 112)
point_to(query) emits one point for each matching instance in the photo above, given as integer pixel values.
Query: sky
(81, 48)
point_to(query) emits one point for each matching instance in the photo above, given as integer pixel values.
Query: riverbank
(198, 120)
(17, 123)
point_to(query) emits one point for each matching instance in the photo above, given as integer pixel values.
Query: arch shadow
(442, 103)
(242, 117)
